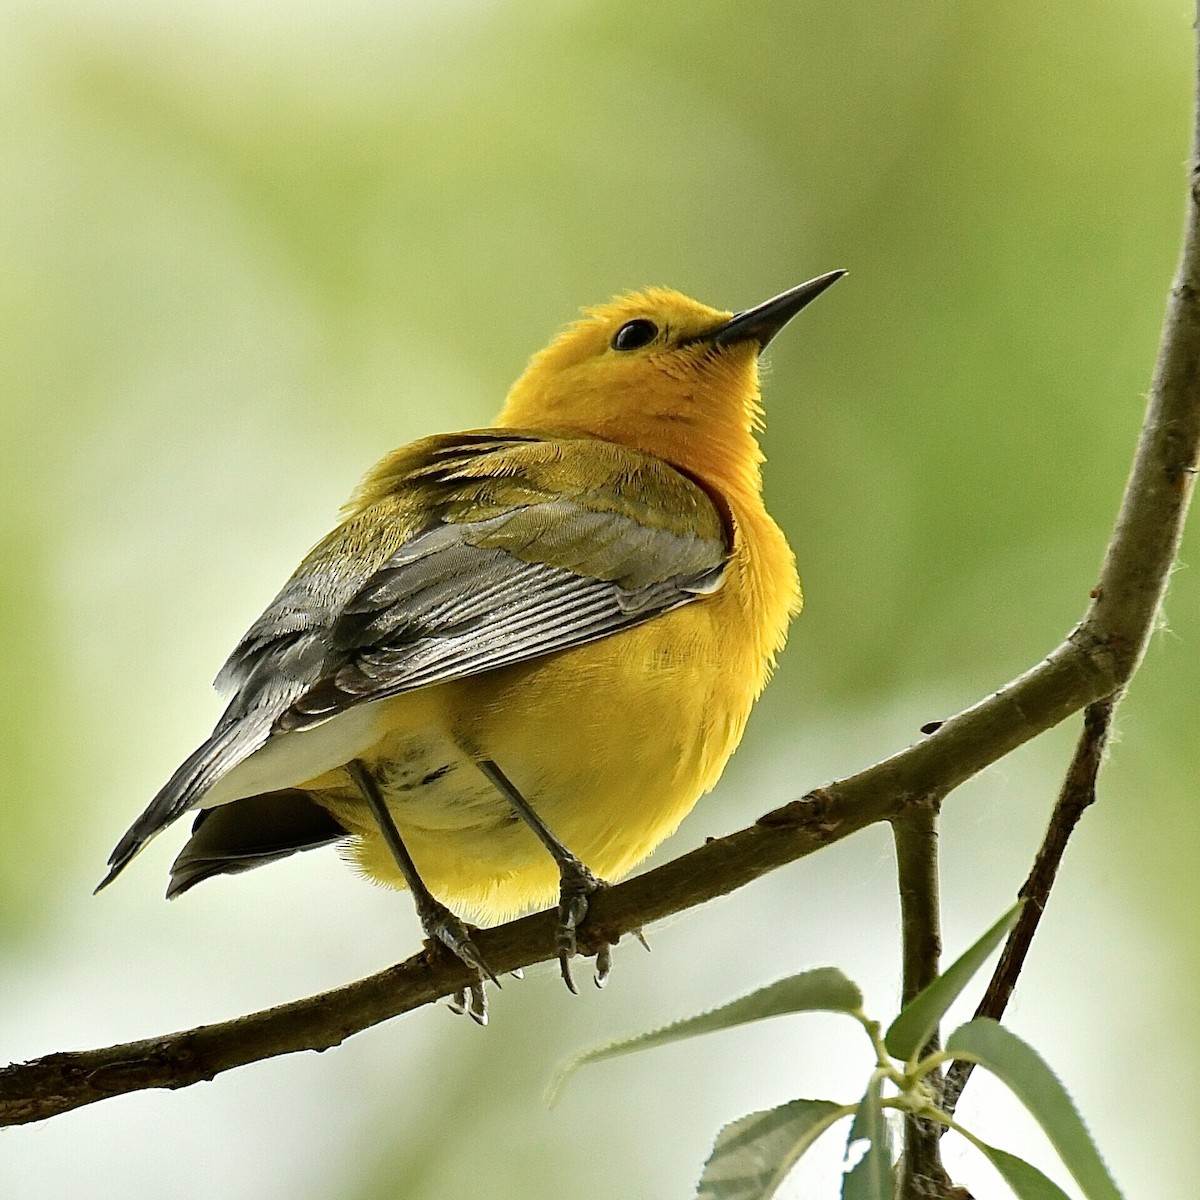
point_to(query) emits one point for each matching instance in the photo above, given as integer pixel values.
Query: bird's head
(662, 373)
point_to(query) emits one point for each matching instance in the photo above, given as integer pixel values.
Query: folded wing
(458, 555)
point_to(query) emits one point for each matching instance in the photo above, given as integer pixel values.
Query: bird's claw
(471, 1001)
(603, 964)
(576, 886)
(443, 928)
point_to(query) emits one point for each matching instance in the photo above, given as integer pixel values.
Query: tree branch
(1094, 662)
(915, 832)
(1077, 793)
(1132, 583)
(1067, 679)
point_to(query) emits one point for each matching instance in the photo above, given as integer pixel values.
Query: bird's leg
(576, 881)
(438, 922)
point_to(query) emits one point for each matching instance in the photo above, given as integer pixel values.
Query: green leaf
(1026, 1181)
(753, 1156)
(912, 1029)
(1021, 1068)
(824, 990)
(871, 1177)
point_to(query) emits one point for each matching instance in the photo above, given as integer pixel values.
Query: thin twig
(1095, 661)
(915, 832)
(1077, 793)
(60, 1082)
(1126, 600)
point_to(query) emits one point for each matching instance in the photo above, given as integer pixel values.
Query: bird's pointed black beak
(761, 323)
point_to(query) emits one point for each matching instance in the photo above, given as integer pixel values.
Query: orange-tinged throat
(693, 406)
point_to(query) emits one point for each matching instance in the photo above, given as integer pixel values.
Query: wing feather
(545, 573)
(459, 554)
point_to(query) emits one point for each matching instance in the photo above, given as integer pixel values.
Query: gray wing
(450, 605)
(365, 618)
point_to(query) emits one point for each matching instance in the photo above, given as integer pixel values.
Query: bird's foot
(577, 885)
(446, 930)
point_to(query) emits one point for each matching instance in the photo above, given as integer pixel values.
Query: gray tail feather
(227, 747)
(250, 833)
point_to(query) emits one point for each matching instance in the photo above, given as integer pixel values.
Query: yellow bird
(526, 651)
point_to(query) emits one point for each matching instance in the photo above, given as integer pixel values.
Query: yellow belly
(612, 743)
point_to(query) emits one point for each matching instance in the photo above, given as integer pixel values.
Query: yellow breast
(611, 742)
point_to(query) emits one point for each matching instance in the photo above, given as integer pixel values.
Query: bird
(526, 650)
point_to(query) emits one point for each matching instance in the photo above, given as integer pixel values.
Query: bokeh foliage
(246, 249)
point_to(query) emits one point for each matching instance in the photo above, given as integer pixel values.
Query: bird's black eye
(635, 334)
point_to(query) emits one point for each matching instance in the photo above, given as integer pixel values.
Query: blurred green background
(245, 248)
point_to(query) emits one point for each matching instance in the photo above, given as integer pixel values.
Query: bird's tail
(229, 745)
(249, 833)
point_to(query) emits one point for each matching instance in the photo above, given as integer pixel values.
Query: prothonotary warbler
(525, 651)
